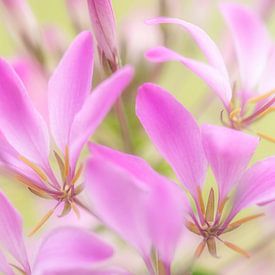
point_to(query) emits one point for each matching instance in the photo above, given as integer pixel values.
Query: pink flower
(103, 24)
(74, 115)
(256, 58)
(65, 250)
(144, 208)
(189, 149)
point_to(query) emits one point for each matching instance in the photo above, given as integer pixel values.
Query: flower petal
(251, 41)
(267, 82)
(11, 236)
(35, 82)
(257, 185)
(213, 78)
(96, 107)
(228, 152)
(69, 86)
(70, 248)
(174, 132)
(205, 43)
(119, 200)
(20, 123)
(165, 226)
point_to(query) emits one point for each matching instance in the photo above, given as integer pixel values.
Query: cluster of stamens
(64, 191)
(210, 223)
(238, 117)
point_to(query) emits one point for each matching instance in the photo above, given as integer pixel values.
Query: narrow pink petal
(267, 81)
(5, 268)
(70, 248)
(251, 41)
(213, 77)
(257, 185)
(103, 24)
(205, 43)
(119, 200)
(69, 86)
(228, 152)
(20, 123)
(165, 226)
(174, 132)
(96, 107)
(11, 235)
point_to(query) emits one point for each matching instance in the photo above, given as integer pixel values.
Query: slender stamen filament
(213, 226)
(259, 98)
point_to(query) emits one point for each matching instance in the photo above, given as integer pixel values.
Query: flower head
(188, 148)
(65, 250)
(143, 207)
(74, 114)
(255, 54)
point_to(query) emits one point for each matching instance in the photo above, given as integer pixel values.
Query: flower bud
(103, 24)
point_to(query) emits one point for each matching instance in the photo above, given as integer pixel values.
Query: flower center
(210, 223)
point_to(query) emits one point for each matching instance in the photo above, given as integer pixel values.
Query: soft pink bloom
(256, 59)
(74, 115)
(103, 24)
(188, 148)
(66, 250)
(144, 208)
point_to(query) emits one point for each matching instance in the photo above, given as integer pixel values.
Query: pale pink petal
(257, 185)
(213, 77)
(69, 86)
(228, 152)
(251, 41)
(20, 122)
(165, 226)
(70, 248)
(205, 43)
(267, 81)
(119, 200)
(86, 271)
(5, 268)
(174, 132)
(96, 107)
(11, 235)
(35, 82)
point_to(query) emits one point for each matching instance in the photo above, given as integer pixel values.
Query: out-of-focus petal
(251, 41)
(70, 248)
(35, 82)
(205, 43)
(213, 78)
(119, 200)
(257, 186)
(96, 107)
(69, 86)
(86, 271)
(4, 266)
(20, 123)
(267, 82)
(11, 236)
(165, 226)
(228, 152)
(174, 132)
